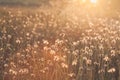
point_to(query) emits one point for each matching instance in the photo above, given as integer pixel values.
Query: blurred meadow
(59, 40)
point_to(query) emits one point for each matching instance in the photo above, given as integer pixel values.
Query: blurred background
(110, 3)
(93, 7)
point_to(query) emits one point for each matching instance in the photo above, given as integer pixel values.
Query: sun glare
(93, 1)
(83, 1)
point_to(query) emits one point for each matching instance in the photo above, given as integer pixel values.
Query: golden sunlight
(93, 1)
(59, 40)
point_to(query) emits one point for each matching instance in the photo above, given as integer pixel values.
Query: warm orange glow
(93, 1)
(83, 1)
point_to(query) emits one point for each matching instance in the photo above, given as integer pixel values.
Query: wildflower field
(44, 45)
